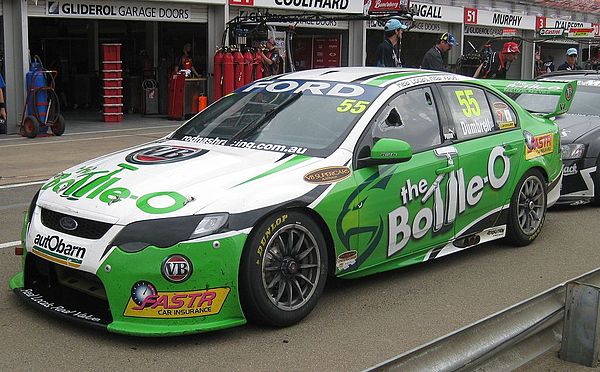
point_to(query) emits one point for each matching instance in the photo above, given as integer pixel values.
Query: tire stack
(112, 83)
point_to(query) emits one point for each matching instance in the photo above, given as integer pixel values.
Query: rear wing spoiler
(566, 91)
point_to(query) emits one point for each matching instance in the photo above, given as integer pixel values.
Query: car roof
(352, 74)
(574, 75)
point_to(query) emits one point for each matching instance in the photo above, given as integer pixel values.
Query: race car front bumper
(578, 183)
(129, 293)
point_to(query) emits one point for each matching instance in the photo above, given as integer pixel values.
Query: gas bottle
(37, 99)
(218, 75)
(257, 66)
(228, 73)
(248, 68)
(238, 60)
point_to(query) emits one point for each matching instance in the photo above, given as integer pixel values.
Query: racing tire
(31, 126)
(596, 179)
(527, 211)
(58, 128)
(283, 269)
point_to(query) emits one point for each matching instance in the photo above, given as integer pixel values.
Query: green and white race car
(244, 211)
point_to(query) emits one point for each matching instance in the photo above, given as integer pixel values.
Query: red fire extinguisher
(238, 60)
(228, 73)
(248, 59)
(218, 83)
(258, 66)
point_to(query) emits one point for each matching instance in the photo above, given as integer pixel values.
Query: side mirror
(387, 151)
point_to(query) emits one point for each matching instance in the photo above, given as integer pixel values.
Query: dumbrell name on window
(412, 117)
(470, 111)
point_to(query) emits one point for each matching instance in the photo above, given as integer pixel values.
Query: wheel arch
(318, 220)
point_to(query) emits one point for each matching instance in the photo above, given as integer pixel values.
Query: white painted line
(46, 143)
(173, 127)
(16, 243)
(15, 185)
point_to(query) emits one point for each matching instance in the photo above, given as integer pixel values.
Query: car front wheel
(527, 211)
(283, 269)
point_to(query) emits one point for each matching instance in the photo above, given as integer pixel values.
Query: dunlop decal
(267, 235)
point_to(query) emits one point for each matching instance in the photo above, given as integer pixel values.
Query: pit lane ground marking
(10, 244)
(102, 131)
(22, 184)
(45, 143)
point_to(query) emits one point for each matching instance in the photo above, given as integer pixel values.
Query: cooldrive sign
(119, 10)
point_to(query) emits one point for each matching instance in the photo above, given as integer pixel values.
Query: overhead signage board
(581, 32)
(473, 16)
(433, 12)
(551, 32)
(384, 6)
(418, 26)
(543, 22)
(328, 6)
(120, 10)
(252, 15)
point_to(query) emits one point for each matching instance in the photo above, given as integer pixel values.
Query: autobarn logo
(176, 268)
(54, 248)
(327, 175)
(163, 154)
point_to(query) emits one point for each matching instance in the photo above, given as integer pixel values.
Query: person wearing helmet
(388, 52)
(497, 64)
(436, 57)
(571, 63)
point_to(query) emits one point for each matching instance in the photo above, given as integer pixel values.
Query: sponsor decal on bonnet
(163, 154)
(91, 183)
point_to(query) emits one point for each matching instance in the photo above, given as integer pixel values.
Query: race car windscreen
(290, 116)
(585, 101)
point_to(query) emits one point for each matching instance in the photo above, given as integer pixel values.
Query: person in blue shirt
(2, 103)
(388, 52)
(571, 62)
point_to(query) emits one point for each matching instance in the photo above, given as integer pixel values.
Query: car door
(490, 146)
(402, 206)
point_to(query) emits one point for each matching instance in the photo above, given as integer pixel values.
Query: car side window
(410, 116)
(469, 110)
(504, 116)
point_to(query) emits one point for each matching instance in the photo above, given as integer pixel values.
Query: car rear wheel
(527, 211)
(283, 269)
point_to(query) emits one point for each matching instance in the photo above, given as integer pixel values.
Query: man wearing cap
(434, 58)
(270, 59)
(497, 64)
(571, 63)
(388, 52)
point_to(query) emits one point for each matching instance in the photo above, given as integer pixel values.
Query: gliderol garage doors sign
(119, 10)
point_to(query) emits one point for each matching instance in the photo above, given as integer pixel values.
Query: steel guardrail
(494, 340)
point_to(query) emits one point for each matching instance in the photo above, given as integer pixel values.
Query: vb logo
(176, 268)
